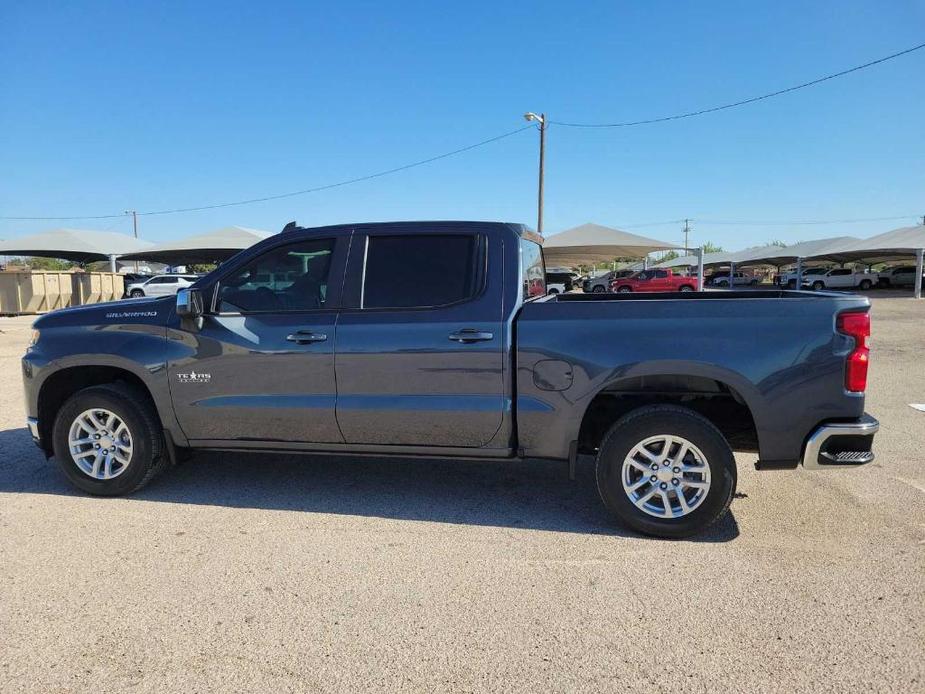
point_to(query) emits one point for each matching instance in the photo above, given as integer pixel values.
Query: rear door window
(421, 270)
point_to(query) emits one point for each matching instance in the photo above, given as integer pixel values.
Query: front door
(420, 340)
(261, 365)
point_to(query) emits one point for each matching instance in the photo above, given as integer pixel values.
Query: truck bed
(775, 350)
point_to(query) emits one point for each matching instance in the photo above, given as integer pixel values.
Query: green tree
(710, 247)
(50, 264)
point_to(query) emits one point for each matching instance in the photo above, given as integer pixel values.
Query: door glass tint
(423, 270)
(661, 274)
(533, 269)
(288, 278)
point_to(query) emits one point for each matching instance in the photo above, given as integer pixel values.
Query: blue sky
(109, 106)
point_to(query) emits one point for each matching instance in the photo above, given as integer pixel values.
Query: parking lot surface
(268, 573)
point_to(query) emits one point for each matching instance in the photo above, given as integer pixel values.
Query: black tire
(132, 406)
(818, 285)
(598, 289)
(753, 283)
(137, 294)
(654, 420)
(624, 290)
(866, 284)
(685, 288)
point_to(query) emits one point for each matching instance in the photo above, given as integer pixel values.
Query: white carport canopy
(211, 247)
(780, 256)
(594, 243)
(898, 244)
(78, 245)
(709, 260)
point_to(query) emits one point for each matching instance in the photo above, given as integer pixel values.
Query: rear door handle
(304, 337)
(467, 335)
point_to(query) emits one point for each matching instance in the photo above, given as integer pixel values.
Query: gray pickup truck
(438, 339)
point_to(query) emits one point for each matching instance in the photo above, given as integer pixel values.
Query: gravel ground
(258, 573)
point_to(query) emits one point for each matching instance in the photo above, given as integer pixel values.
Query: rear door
(260, 367)
(420, 338)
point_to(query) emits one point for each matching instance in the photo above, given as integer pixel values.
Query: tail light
(856, 324)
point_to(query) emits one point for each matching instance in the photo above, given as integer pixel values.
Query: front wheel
(817, 285)
(108, 441)
(624, 290)
(866, 284)
(665, 470)
(137, 294)
(598, 289)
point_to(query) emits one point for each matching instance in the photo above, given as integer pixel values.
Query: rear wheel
(685, 288)
(866, 284)
(665, 470)
(108, 441)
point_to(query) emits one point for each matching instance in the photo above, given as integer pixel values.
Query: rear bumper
(841, 444)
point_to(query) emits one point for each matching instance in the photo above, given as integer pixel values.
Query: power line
(802, 222)
(280, 196)
(752, 100)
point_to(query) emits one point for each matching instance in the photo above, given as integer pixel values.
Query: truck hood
(150, 311)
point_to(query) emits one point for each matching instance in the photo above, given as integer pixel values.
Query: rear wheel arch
(722, 400)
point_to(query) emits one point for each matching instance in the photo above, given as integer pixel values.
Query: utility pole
(134, 214)
(687, 230)
(541, 120)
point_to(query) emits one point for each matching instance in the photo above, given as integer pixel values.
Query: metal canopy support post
(645, 263)
(112, 263)
(799, 274)
(732, 272)
(700, 269)
(918, 272)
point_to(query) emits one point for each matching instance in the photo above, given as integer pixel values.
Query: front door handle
(467, 335)
(304, 337)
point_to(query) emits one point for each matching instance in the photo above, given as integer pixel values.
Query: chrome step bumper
(841, 444)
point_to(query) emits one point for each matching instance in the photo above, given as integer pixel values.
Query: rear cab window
(532, 270)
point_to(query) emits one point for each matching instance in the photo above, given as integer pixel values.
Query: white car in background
(902, 276)
(789, 279)
(160, 285)
(841, 278)
(721, 279)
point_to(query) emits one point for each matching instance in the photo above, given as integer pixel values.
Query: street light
(541, 120)
(134, 228)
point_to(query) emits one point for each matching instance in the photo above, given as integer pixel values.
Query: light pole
(134, 214)
(541, 120)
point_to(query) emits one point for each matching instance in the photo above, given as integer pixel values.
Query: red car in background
(654, 281)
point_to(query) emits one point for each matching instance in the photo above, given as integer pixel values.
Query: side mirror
(189, 303)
